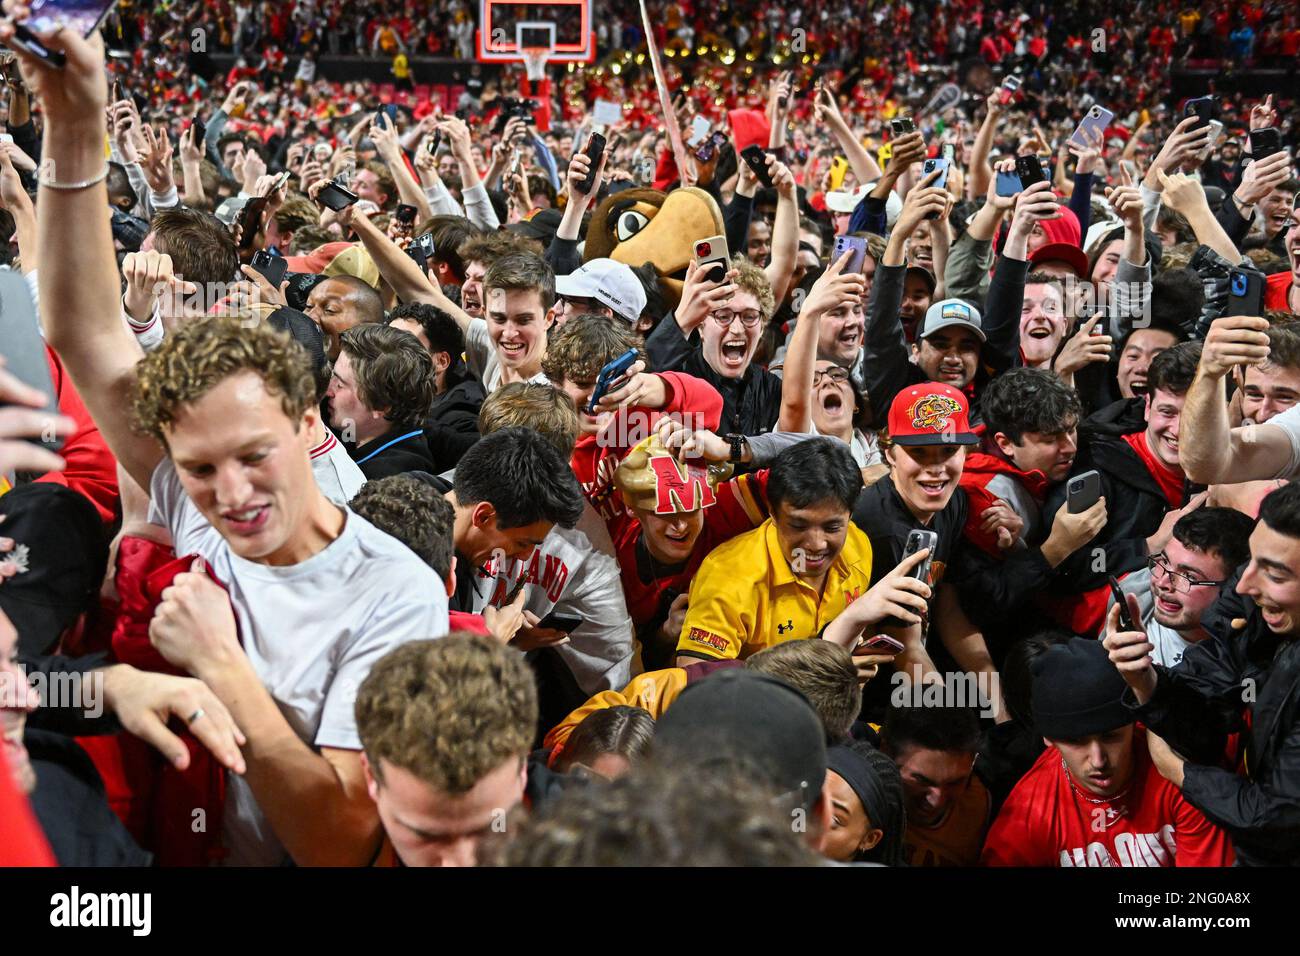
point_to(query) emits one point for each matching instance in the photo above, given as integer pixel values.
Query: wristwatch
(738, 443)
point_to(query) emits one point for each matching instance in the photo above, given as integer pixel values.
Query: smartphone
(756, 159)
(271, 266)
(949, 153)
(609, 378)
(857, 245)
(1264, 142)
(322, 151)
(713, 258)
(918, 540)
(405, 214)
(560, 622)
(1083, 491)
(250, 219)
(1096, 121)
(1029, 170)
(901, 126)
(1203, 108)
(24, 348)
(1008, 184)
(200, 133)
(45, 15)
(1008, 90)
(421, 250)
(709, 148)
(117, 91)
(334, 196)
(1245, 292)
(434, 142)
(595, 149)
(881, 644)
(700, 127)
(930, 165)
(1125, 619)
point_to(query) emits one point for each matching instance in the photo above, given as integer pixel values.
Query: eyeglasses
(836, 374)
(724, 317)
(1181, 582)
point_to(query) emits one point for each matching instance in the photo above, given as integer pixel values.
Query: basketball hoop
(535, 58)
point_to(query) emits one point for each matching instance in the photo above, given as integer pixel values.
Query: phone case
(1096, 120)
(713, 257)
(1245, 293)
(859, 247)
(1008, 184)
(1083, 491)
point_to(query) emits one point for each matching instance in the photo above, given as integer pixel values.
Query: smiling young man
(1043, 322)
(1095, 797)
(1241, 681)
(793, 574)
(1134, 446)
(1032, 439)
(508, 343)
(446, 726)
(227, 413)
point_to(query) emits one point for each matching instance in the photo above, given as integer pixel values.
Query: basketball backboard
(505, 29)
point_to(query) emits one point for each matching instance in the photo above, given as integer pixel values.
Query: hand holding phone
(756, 159)
(595, 151)
(610, 378)
(1125, 618)
(712, 258)
(1083, 491)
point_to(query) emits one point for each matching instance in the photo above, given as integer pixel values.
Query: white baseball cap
(611, 283)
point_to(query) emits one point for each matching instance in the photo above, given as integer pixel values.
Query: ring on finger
(195, 716)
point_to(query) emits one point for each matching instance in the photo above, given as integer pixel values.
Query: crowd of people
(874, 462)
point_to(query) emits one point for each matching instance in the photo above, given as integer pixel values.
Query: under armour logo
(787, 626)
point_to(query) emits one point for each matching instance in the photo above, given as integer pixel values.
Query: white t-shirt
(1289, 422)
(481, 357)
(311, 631)
(573, 572)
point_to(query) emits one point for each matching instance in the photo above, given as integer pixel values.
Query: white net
(535, 62)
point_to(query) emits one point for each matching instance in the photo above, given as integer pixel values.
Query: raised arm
(827, 111)
(835, 290)
(384, 136)
(785, 230)
(1209, 450)
(80, 304)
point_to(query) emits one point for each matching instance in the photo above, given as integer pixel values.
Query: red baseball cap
(930, 414)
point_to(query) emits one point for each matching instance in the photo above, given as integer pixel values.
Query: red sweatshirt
(90, 467)
(595, 458)
(980, 469)
(1046, 822)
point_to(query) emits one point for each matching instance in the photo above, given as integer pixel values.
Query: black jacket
(451, 427)
(1202, 700)
(887, 367)
(1135, 505)
(400, 449)
(751, 404)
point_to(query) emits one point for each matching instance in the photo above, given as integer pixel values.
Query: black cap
(60, 553)
(543, 225)
(1077, 691)
(738, 716)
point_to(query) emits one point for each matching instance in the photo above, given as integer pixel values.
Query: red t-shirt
(1169, 479)
(1277, 289)
(1047, 822)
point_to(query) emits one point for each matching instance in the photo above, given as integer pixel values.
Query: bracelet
(52, 184)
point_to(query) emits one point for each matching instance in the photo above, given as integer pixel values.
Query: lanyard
(389, 444)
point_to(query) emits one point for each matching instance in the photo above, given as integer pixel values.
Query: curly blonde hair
(753, 279)
(449, 710)
(202, 354)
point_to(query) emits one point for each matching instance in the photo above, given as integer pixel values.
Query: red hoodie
(980, 469)
(595, 458)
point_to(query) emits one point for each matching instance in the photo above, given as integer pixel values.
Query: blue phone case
(1008, 184)
(610, 374)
